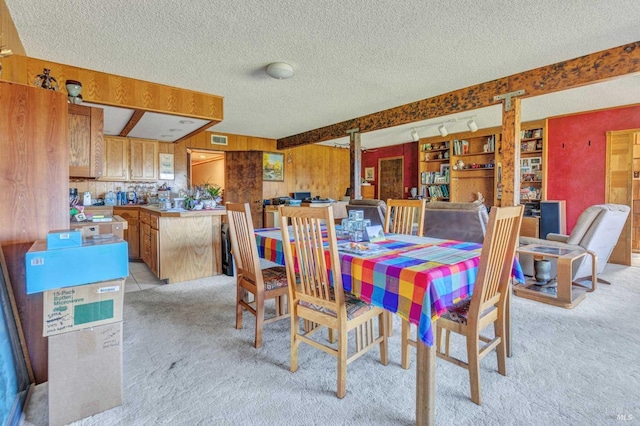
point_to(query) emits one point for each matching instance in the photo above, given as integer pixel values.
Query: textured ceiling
(351, 58)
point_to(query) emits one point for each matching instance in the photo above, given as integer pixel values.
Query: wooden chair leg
(259, 322)
(239, 295)
(342, 363)
(389, 316)
(406, 335)
(295, 343)
(447, 334)
(474, 368)
(438, 339)
(501, 350)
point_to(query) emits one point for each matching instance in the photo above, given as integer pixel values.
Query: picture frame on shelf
(369, 174)
(273, 166)
(535, 163)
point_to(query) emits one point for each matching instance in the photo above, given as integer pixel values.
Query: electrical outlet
(406, 189)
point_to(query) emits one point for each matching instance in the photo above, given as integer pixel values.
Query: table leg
(426, 385)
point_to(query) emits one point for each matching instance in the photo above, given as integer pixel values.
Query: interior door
(390, 178)
(618, 188)
(243, 181)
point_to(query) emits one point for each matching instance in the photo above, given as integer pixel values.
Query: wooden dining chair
(403, 217)
(263, 284)
(317, 297)
(487, 304)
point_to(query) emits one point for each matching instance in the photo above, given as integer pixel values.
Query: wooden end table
(566, 295)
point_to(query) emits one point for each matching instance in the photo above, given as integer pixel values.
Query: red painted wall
(407, 150)
(577, 156)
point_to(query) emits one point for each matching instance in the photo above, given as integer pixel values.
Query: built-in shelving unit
(458, 167)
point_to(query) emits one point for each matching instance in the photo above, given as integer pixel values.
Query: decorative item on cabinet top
(46, 80)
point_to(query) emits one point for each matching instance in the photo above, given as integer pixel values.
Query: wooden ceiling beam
(137, 116)
(572, 73)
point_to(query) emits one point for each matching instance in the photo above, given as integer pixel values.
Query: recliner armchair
(597, 229)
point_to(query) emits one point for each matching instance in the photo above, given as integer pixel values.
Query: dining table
(417, 278)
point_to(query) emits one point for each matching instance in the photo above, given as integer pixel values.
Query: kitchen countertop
(157, 211)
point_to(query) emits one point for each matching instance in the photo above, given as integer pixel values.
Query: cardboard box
(74, 308)
(94, 261)
(85, 373)
(63, 239)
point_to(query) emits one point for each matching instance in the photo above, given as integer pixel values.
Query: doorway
(622, 187)
(391, 172)
(205, 166)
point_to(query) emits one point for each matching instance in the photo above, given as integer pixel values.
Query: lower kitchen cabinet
(132, 234)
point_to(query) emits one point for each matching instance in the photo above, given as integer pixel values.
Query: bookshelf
(473, 165)
(479, 152)
(434, 168)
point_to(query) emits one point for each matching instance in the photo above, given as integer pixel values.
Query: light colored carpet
(186, 364)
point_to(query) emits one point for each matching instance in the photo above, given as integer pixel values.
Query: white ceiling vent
(218, 140)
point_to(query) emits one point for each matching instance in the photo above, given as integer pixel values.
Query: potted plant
(213, 193)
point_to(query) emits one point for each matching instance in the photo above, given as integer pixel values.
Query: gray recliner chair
(597, 229)
(456, 221)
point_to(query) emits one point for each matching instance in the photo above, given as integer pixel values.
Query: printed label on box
(74, 308)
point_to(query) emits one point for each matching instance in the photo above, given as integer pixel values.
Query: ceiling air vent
(218, 140)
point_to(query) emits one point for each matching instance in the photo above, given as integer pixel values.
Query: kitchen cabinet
(116, 159)
(132, 234)
(143, 156)
(86, 144)
(149, 241)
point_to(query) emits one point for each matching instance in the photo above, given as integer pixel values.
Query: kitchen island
(181, 245)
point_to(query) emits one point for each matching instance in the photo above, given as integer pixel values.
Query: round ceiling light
(280, 70)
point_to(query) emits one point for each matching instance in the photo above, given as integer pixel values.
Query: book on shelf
(460, 147)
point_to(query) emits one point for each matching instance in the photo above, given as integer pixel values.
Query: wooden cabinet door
(115, 159)
(143, 159)
(34, 175)
(132, 234)
(86, 143)
(243, 181)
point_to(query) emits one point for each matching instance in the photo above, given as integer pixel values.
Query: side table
(567, 295)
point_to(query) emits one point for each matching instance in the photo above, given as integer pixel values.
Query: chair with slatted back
(317, 297)
(404, 217)
(487, 304)
(263, 284)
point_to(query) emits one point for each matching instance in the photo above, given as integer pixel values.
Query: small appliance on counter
(132, 197)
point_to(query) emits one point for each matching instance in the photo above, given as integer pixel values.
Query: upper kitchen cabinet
(116, 159)
(143, 155)
(86, 143)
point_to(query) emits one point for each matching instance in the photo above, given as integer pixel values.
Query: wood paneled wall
(10, 38)
(108, 89)
(34, 174)
(322, 170)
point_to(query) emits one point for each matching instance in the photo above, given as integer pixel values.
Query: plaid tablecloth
(402, 278)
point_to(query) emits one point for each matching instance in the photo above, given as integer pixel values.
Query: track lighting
(471, 124)
(414, 135)
(443, 130)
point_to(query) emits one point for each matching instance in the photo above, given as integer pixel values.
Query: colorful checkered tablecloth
(401, 277)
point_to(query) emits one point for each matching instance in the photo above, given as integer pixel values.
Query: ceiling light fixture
(414, 135)
(443, 130)
(471, 124)
(73, 89)
(280, 70)
(185, 122)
